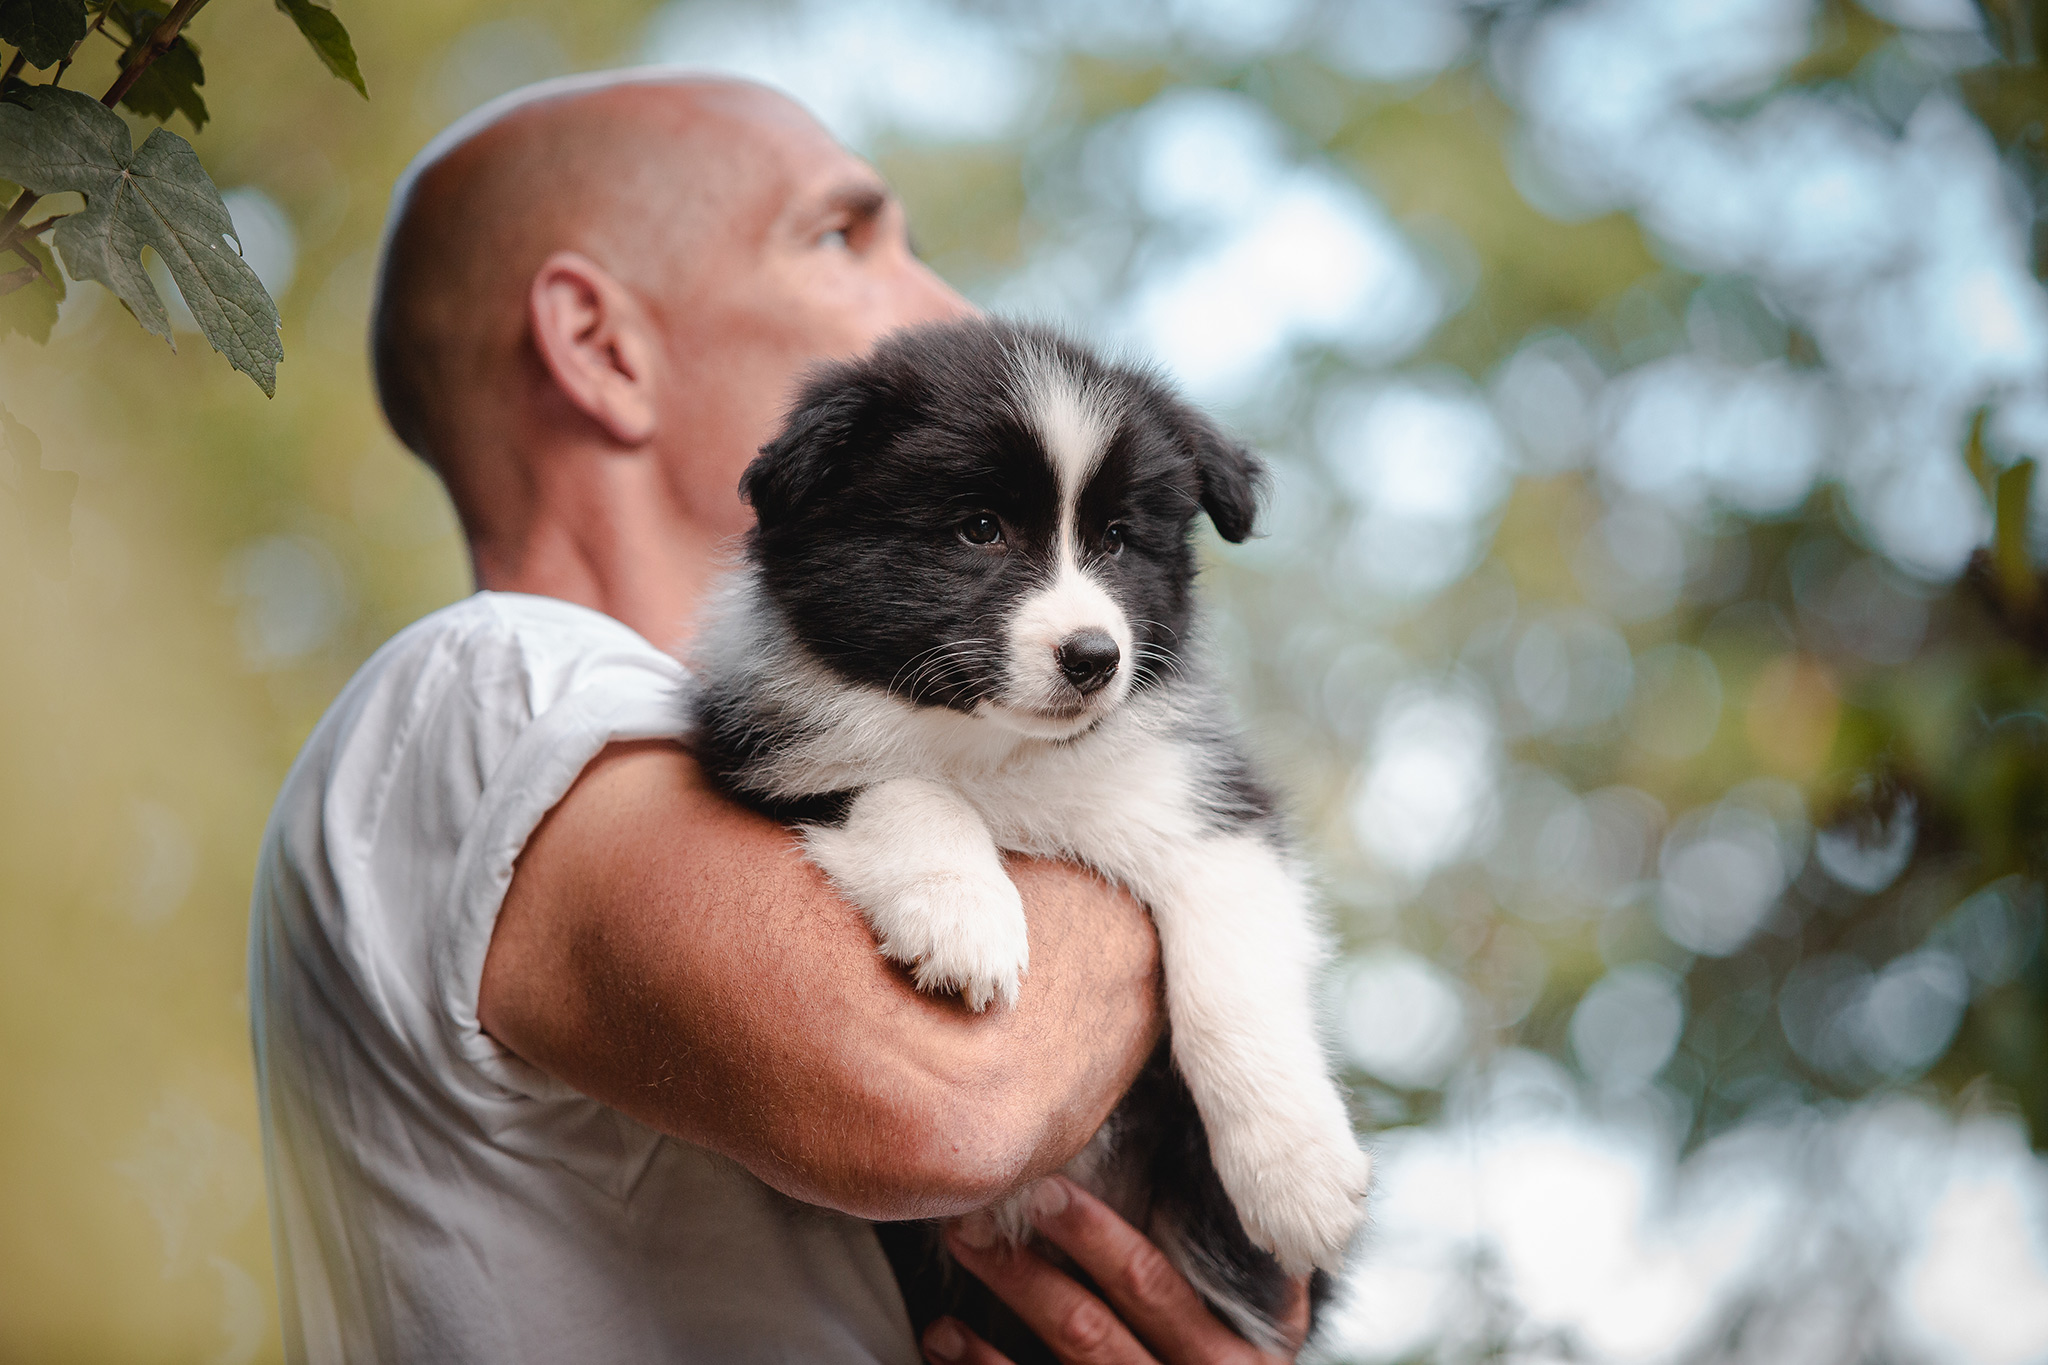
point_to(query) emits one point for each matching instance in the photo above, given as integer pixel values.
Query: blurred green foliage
(139, 749)
(149, 706)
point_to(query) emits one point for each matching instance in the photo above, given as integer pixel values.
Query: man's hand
(1153, 1317)
(674, 956)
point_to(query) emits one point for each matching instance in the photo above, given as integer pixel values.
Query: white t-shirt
(432, 1197)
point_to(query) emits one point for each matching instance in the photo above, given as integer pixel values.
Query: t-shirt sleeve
(611, 690)
(467, 732)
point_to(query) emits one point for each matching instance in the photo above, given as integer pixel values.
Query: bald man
(561, 1056)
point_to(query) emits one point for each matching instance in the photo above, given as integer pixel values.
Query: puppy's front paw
(1300, 1193)
(958, 933)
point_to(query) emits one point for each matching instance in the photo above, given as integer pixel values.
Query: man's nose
(927, 298)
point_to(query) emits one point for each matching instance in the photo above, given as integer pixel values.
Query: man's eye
(1113, 538)
(834, 238)
(981, 529)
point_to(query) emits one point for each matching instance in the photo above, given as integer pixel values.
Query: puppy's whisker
(925, 656)
(938, 681)
(915, 667)
(932, 667)
(947, 662)
(1146, 674)
(1159, 662)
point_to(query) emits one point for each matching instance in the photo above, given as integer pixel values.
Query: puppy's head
(984, 516)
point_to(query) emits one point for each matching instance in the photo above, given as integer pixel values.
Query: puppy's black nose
(1089, 660)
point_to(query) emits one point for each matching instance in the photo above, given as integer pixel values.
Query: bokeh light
(1638, 380)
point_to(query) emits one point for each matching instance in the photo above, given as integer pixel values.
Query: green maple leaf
(329, 39)
(170, 84)
(32, 309)
(44, 496)
(44, 30)
(156, 195)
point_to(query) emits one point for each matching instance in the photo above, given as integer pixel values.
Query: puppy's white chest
(1106, 800)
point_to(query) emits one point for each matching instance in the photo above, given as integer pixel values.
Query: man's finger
(1295, 1320)
(947, 1342)
(1141, 1284)
(1077, 1326)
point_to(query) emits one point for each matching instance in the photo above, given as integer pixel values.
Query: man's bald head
(641, 175)
(598, 297)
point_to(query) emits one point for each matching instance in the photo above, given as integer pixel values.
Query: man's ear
(830, 420)
(1232, 478)
(598, 344)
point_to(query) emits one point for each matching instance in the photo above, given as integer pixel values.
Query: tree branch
(158, 44)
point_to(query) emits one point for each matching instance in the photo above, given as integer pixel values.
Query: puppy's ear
(1232, 478)
(828, 421)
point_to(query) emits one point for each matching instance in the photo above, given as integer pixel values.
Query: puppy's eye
(981, 529)
(1113, 538)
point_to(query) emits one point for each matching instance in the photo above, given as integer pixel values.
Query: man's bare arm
(672, 955)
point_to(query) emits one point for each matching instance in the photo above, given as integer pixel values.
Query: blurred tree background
(1649, 621)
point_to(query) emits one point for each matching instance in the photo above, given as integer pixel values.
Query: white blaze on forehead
(1073, 423)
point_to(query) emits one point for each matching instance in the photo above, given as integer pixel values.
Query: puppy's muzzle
(1088, 659)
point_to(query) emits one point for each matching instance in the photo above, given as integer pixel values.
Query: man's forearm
(1087, 1018)
(672, 955)
(934, 1110)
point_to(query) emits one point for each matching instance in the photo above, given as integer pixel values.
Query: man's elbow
(940, 1157)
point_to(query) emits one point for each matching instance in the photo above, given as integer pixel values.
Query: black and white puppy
(967, 624)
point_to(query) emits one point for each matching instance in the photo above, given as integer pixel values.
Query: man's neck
(619, 545)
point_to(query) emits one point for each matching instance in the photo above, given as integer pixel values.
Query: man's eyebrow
(860, 200)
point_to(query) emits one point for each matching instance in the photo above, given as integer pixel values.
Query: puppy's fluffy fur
(966, 624)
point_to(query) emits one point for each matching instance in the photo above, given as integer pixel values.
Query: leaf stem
(98, 26)
(14, 67)
(16, 211)
(28, 258)
(158, 44)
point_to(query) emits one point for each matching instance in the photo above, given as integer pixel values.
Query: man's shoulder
(469, 679)
(494, 646)
(485, 622)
